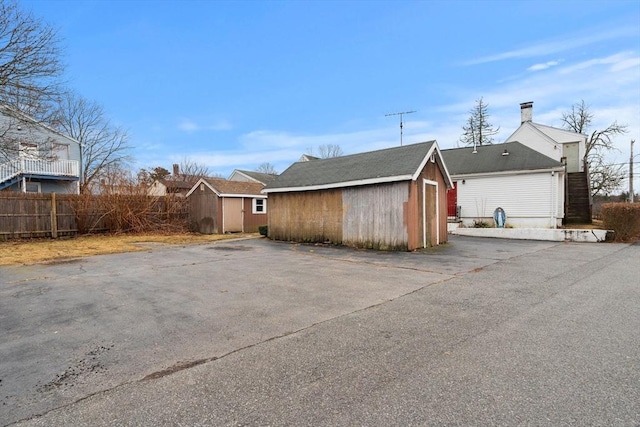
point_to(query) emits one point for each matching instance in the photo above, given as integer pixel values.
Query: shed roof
(490, 158)
(177, 184)
(226, 188)
(387, 165)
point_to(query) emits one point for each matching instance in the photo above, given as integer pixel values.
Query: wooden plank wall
(203, 211)
(253, 221)
(306, 216)
(374, 216)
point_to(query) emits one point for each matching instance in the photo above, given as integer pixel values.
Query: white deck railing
(53, 168)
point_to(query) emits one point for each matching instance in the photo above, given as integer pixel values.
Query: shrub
(623, 219)
(263, 230)
(477, 223)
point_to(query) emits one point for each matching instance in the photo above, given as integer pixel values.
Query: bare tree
(103, 145)
(329, 150)
(30, 61)
(478, 131)
(267, 167)
(190, 170)
(605, 177)
(579, 120)
(30, 68)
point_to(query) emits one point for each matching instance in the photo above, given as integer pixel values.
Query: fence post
(54, 216)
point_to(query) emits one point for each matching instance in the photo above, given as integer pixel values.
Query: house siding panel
(374, 216)
(528, 200)
(308, 216)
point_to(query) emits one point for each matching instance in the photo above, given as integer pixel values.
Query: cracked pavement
(255, 332)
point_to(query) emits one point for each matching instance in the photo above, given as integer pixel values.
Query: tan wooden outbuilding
(220, 206)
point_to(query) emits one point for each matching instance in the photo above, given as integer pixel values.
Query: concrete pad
(546, 234)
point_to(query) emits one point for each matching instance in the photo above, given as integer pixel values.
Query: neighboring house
(526, 184)
(164, 187)
(220, 206)
(36, 158)
(566, 147)
(386, 199)
(252, 176)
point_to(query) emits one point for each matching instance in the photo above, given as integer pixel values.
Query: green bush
(623, 219)
(263, 230)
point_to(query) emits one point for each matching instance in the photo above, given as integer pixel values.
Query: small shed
(220, 206)
(392, 199)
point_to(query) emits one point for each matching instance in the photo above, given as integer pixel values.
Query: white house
(559, 144)
(526, 184)
(36, 158)
(567, 147)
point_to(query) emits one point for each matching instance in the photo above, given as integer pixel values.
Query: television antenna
(400, 114)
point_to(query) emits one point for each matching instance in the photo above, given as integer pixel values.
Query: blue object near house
(499, 217)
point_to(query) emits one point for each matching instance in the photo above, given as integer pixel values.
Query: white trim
(259, 196)
(502, 173)
(254, 204)
(426, 182)
(368, 181)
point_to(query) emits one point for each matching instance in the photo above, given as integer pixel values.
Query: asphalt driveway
(255, 332)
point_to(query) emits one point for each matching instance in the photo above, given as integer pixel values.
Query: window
(259, 206)
(29, 150)
(33, 187)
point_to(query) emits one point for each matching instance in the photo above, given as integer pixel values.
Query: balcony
(38, 168)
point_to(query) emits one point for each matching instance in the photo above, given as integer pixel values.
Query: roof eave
(370, 181)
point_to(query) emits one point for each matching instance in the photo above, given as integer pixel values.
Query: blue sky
(235, 84)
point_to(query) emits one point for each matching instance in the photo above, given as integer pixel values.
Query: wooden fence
(54, 215)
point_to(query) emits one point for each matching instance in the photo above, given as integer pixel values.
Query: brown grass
(42, 250)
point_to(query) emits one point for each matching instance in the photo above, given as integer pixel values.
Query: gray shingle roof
(264, 178)
(489, 158)
(380, 164)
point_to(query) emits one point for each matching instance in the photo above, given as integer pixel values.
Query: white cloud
(557, 46)
(190, 126)
(543, 66)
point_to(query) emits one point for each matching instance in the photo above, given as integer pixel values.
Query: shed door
(570, 151)
(232, 214)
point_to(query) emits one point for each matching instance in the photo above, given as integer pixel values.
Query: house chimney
(176, 169)
(526, 112)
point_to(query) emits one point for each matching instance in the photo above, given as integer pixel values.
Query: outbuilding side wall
(306, 216)
(204, 212)
(253, 221)
(374, 216)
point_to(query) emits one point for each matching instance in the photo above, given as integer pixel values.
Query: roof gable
(490, 159)
(387, 165)
(226, 188)
(263, 178)
(559, 135)
(33, 130)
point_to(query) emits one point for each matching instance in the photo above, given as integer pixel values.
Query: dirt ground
(43, 250)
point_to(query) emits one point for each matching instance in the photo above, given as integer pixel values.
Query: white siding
(531, 138)
(374, 215)
(529, 200)
(157, 189)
